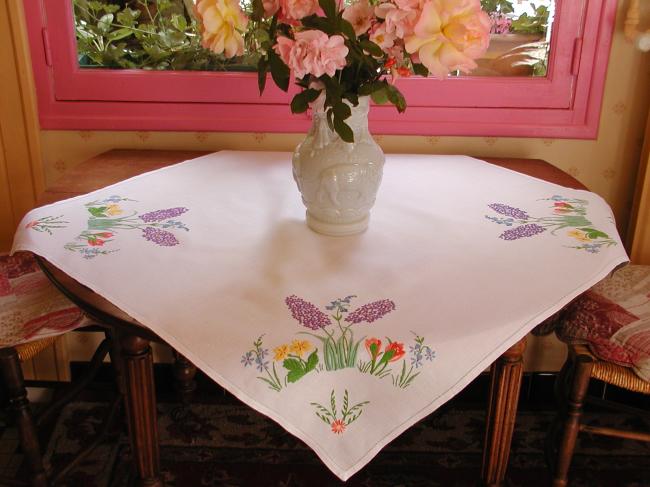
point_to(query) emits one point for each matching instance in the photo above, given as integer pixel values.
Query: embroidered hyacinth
(509, 211)
(371, 312)
(159, 215)
(306, 313)
(522, 231)
(160, 237)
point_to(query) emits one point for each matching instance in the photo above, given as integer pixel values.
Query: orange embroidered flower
(373, 345)
(397, 350)
(338, 426)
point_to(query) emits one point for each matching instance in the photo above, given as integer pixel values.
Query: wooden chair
(612, 319)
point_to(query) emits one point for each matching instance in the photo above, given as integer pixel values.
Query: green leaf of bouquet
(318, 23)
(396, 98)
(342, 110)
(311, 94)
(299, 103)
(258, 10)
(279, 71)
(347, 29)
(97, 211)
(420, 69)
(593, 234)
(372, 48)
(380, 96)
(262, 67)
(343, 129)
(352, 98)
(329, 7)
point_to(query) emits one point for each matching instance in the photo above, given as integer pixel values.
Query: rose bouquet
(338, 51)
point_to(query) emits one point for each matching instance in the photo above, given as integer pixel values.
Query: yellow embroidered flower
(113, 210)
(299, 347)
(281, 352)
(579, 235)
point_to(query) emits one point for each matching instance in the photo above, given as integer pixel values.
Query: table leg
(184, 374)
(505, 374)
(140, 402)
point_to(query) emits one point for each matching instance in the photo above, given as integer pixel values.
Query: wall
(607, 165)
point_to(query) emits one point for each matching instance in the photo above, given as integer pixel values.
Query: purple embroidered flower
(160, 237)
(522, 231)
(371, 311)
(247, 359)
(509, 211)
(159, 215)
(306, 313)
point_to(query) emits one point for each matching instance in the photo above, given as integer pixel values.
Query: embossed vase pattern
(338, 180)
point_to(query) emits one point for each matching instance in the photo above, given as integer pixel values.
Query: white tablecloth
(345, 342)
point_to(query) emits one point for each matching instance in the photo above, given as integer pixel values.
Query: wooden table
(137, 367)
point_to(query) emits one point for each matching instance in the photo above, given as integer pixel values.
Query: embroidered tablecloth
(345, 342)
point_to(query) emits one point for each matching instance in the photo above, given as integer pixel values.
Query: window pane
(163, 35)
(520, 38)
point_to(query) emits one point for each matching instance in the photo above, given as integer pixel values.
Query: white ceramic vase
(338, 180)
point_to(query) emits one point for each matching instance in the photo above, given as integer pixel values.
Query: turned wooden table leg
(12, 374)
(505, 384)
(184, 373)
(140, 403)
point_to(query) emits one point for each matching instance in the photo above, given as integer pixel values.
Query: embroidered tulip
(95, 242)
(449, 35)
(394, 351)
(373, 345)
(223, 23)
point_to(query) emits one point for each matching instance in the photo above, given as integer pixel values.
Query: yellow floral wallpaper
(607, 165)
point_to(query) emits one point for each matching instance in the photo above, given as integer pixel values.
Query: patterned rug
(230, 445)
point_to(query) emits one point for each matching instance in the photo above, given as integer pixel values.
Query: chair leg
(582, 366)
(184, 374)
(12, 375)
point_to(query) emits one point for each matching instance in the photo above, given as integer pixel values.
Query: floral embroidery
(567, 213)
(108, 218)
(330, 415)
(339, 347)
(47, 223)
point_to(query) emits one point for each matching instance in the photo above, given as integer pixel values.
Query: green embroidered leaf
(593, 234)
(99, 211)
(295, 368)
(312, 361)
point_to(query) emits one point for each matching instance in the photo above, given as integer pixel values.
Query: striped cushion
(31, 308)
(613, 319)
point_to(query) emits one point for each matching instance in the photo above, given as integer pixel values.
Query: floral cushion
(31, 308)
(613, 319)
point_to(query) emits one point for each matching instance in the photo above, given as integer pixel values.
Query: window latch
(577, 51)
(46, 47)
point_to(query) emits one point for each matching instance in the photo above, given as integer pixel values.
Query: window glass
(163, 35)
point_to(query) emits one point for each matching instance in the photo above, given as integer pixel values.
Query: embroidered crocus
(522, 231)
(373, 345)
(159, 237)
(338, 426)
(306, 313)
(159, 215)
(394, 351)
(371, 312)
(509, 211)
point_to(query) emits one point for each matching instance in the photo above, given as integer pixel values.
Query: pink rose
(313, 52)
(360, 14)
(449, 35)
(297, 9)
(270, 7)
(400, 16)
(383, 39)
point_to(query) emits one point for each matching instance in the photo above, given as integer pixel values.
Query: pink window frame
(564, 104)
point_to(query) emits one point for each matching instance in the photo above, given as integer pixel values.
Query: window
(563, 102)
